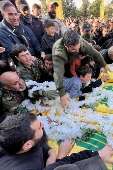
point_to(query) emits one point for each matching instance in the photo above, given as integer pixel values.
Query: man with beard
(23, 144)
(31, 21)
(64, 51)
(86, 32)
(51, 9)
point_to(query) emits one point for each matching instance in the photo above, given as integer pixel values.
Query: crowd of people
(43, 48)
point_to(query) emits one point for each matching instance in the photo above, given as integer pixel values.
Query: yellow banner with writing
(59, 9)
(101, 9)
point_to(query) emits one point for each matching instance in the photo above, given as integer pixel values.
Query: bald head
(7, 76)
(11, 81)
(110, 50)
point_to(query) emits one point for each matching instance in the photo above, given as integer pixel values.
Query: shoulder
(59, 49)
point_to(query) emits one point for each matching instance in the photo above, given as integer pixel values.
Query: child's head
(49, 27)
(48, 61)
(84, 73)
(88, 61)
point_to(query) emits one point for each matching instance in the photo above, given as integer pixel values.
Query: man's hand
(105, 69)
(2, 63)
(52, 157)
(104, 78)
(106, 153)
(2, 49)
(64, 101)
(64, 148)
(43, 55)
(34, 59)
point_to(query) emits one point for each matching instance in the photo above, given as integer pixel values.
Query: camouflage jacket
(10, 102)
(29, 73)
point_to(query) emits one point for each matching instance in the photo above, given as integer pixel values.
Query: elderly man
(23, 144)
(65, 50)
(108, 55)
(12, 31)
(13, 91)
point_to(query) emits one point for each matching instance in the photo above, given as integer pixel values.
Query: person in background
(31, 21)
(47, 71)
(86, 32)
(105, 36)
(108, 55)
(50, 37)
(36, 10)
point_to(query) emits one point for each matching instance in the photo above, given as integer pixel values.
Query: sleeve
(58, 66)
(95, 84)
(45, 149)
(87, 49)
(73, 68)
(75, 91)
(34, 40)
(72, 159)
(6, 42)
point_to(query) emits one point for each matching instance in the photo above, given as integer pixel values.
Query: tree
(94, 8)
(69, 8)
(109, 10)
(84, 8)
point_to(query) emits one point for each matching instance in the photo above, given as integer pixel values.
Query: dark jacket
(62, 57)
(31, 160)
(48, 41)
(35, 25)
(8, 39)
(72, 159)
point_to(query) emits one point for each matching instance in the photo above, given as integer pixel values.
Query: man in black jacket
(31, 21)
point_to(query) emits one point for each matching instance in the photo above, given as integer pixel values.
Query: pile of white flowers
(69, 124)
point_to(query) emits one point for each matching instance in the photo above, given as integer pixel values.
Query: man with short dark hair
(12, 31)
(86, 32)
(64, 51)
(31, 21)
(36, 10)
(23, 144)
(47, 71)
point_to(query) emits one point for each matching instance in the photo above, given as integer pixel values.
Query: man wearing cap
(51, 9)
(86, 32)
(31, 21)
(64, 51)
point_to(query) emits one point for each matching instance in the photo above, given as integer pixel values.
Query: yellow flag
(59, 10)
(101, 9)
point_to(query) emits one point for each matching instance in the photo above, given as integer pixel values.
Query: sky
(77, 2)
